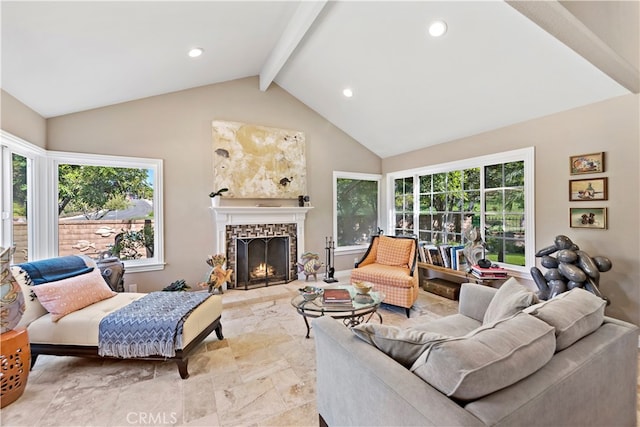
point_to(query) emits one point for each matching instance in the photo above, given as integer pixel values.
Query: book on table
(488, 273)
(336, 296)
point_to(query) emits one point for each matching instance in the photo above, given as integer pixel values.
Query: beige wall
(177, 128)
(21, 121)
(611, 126)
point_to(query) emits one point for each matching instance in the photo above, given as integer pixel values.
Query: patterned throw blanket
(149, 326)
(53, 269)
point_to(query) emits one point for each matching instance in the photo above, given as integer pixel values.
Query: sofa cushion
(385, 275)
(488, 359)
(511, 298)
(573, 314)
(454, 325)
(68, 295)
(404, 345)
(394, 251)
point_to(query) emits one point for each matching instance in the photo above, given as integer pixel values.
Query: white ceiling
(493, 68)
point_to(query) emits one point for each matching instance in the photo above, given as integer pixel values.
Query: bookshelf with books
(446, 282)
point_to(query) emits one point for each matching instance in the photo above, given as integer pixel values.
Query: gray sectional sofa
(504, 360)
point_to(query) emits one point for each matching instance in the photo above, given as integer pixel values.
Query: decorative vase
(215, 201)
(112, 270)
(12, 304)
(15, 355)
(14, 362)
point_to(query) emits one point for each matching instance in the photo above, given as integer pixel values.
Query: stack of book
(489, 273)
(338, 297)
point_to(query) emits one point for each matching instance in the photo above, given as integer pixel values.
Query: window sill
(130, 267)
(349, 250)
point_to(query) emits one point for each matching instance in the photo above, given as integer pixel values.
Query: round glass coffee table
(360, 310)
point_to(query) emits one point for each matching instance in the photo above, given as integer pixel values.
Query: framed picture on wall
(586, 163)
(588, 218)
(581, 190)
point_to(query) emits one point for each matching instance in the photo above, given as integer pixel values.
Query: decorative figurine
(474, 250)
(309, 265)
(569, 268)
(218, 275)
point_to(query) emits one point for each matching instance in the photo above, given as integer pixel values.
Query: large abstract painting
(258, 162)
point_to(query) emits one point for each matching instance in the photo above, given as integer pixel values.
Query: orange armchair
(390, 264)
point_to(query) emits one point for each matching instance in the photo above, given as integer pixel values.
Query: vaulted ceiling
(498, 64)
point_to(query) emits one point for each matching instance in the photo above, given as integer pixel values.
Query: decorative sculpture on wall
(568, 269)
(310, 264)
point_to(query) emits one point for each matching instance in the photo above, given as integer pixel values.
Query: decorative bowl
(362, 287)
(309, 293)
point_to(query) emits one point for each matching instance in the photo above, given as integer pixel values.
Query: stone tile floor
(261, 374)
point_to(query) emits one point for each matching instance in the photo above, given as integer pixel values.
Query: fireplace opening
(262, 261)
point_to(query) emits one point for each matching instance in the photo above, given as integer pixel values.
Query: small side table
(15, 359)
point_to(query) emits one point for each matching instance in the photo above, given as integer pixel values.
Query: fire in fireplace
(262, 271)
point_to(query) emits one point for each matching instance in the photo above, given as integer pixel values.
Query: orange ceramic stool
(15, 357)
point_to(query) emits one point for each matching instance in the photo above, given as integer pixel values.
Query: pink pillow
(68, 295)
(394, 251)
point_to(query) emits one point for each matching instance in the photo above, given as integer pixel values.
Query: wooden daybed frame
(181, 358)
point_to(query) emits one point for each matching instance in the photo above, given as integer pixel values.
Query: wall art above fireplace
(258, 162)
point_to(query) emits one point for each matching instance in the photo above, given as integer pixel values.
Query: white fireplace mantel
(241, 215)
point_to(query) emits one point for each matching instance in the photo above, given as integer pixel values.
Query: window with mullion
(504, 214)
(404, 206)
(447, 201)
(493, 193)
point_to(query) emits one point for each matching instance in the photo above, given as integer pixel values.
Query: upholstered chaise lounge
(77, 304)
(390, 264)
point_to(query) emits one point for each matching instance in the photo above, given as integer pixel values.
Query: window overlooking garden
(112, 206)
(492, 193)
(108, 206)
(103, 205)
(356, 198)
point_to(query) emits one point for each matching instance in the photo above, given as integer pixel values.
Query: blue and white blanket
(149, 326)
(54, 269)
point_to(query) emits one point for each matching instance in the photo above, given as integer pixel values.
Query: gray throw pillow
(574, 314)
(511, 298)
(492, 357)
(404, 345)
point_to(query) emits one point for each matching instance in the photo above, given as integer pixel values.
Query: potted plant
(216, 195)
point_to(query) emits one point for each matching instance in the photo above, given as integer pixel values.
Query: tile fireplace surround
(230, 219)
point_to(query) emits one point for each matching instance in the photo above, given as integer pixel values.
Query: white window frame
(56, 158)
(345, 250)
(37, 225)
(525, 154)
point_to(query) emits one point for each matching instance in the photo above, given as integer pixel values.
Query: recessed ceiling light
(195, 52)
(347, 92)
(437, 28)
